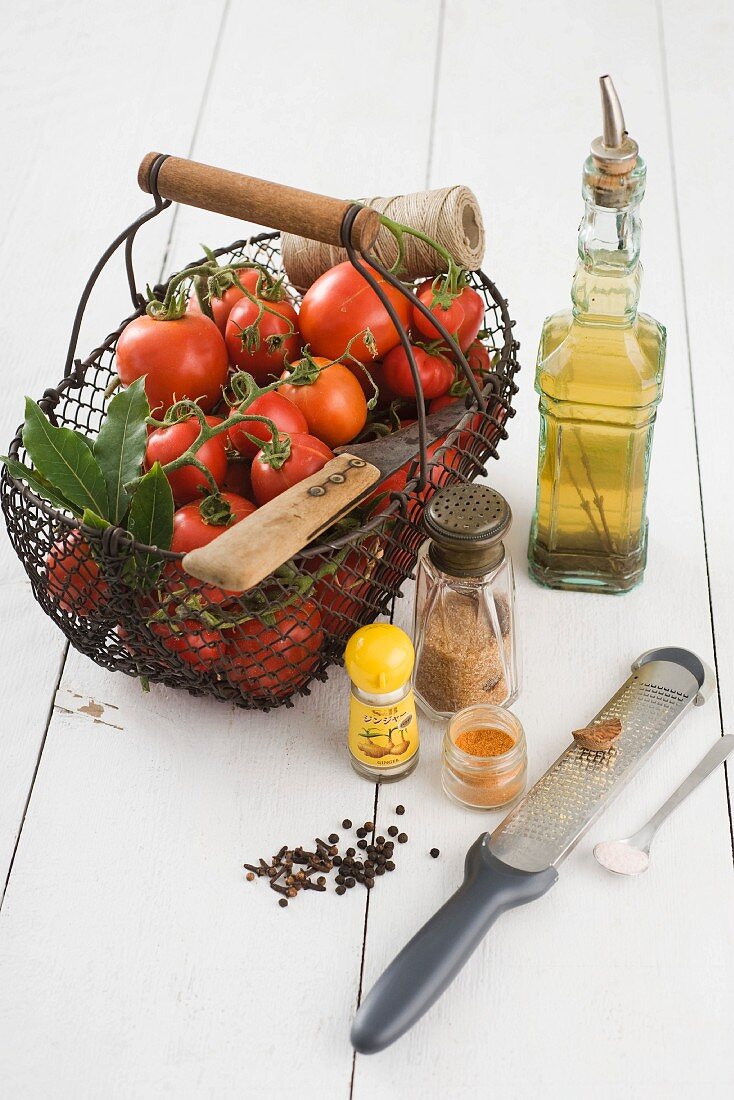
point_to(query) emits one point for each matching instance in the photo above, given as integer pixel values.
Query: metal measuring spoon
(632, 855)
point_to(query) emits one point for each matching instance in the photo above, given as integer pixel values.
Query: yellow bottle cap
(379, 658)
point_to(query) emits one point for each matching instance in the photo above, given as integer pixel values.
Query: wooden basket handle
(254, 200)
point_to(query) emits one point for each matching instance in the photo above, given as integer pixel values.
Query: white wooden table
(135, 961)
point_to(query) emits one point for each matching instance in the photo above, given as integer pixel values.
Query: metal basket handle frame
(330, 220)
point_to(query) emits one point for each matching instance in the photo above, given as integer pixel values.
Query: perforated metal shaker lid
(466, 524)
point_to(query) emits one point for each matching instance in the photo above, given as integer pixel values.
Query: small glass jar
(464, 624)
(484, 782)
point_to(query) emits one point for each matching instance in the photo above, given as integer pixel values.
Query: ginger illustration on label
(383, 736)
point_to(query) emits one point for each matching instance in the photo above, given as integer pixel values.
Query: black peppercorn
(368, 826)
(341, 889)
(351, 852)
(362, 844)
(361, 833)
(435, 853)
(333, 838)
(402, 838)
(346, 823)
(380, 841)
(389, 866)
(380, 870)
(340, 879)
(400, 810)
(283, 902)
(349, 882)
(393, 830)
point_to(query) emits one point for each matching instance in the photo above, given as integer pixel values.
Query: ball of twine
(449, 215)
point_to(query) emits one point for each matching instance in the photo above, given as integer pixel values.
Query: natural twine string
(449, 215)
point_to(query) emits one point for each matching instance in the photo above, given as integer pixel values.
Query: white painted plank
(590, 990)
(703, 165)
(76, 118)
(128, 934)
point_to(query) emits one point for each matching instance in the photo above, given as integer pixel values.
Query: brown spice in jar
(462, 661)
(484, 742)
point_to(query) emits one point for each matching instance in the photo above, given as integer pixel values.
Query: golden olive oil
(599, 378)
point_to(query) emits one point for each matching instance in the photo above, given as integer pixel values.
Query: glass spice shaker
(464, 625)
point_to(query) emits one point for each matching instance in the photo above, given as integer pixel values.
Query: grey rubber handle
(417, 977)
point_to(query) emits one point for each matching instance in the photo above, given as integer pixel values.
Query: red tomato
(473, 307)
(342, 595)
(307, 455)
(278, 657)
(439, 403)
(284, 414)
(192, 529)
(478, 357)
(187, 483)
(181, 358)
(435, 371)
(260, 357)
(340, 305)
(450, 316)
(73, 577)
(221, 305)
(192, 642)
(333, 403)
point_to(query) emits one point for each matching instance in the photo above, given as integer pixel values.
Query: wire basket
(287, 631)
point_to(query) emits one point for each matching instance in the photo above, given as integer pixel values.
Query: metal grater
(517, 863)
(555, 814)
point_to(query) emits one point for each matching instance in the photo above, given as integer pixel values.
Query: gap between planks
(49, 716)
(166, 249)
(686, 328)
(429, 170)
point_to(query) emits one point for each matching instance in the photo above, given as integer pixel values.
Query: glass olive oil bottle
(600, 379)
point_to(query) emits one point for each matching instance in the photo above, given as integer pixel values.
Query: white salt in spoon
(632, 855)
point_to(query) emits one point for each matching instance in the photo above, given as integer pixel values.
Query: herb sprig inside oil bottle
(599, 377)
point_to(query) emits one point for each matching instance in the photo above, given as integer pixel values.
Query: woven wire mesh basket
(292, 626)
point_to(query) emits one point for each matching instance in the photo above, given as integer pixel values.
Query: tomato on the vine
(197, 524)
(443, 307)
(284, 463)
(181, 357)
(187, 482)
(341, 305)
(276, 407)
(472, 304)
(277, 656)
(343, 593)
(262, 335)
(221, 303)
(192, 642)
(435, 371)
(330, 398)
(73, 577)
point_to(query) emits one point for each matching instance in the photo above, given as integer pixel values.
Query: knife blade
(252, 549)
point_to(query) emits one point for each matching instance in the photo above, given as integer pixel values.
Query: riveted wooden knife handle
(254, 200)
(250, 550)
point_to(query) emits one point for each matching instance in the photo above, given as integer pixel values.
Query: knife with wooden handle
(249, 551)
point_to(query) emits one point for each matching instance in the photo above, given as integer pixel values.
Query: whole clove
(289, 872)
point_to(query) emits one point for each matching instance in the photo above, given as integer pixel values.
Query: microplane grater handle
(428, 963)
